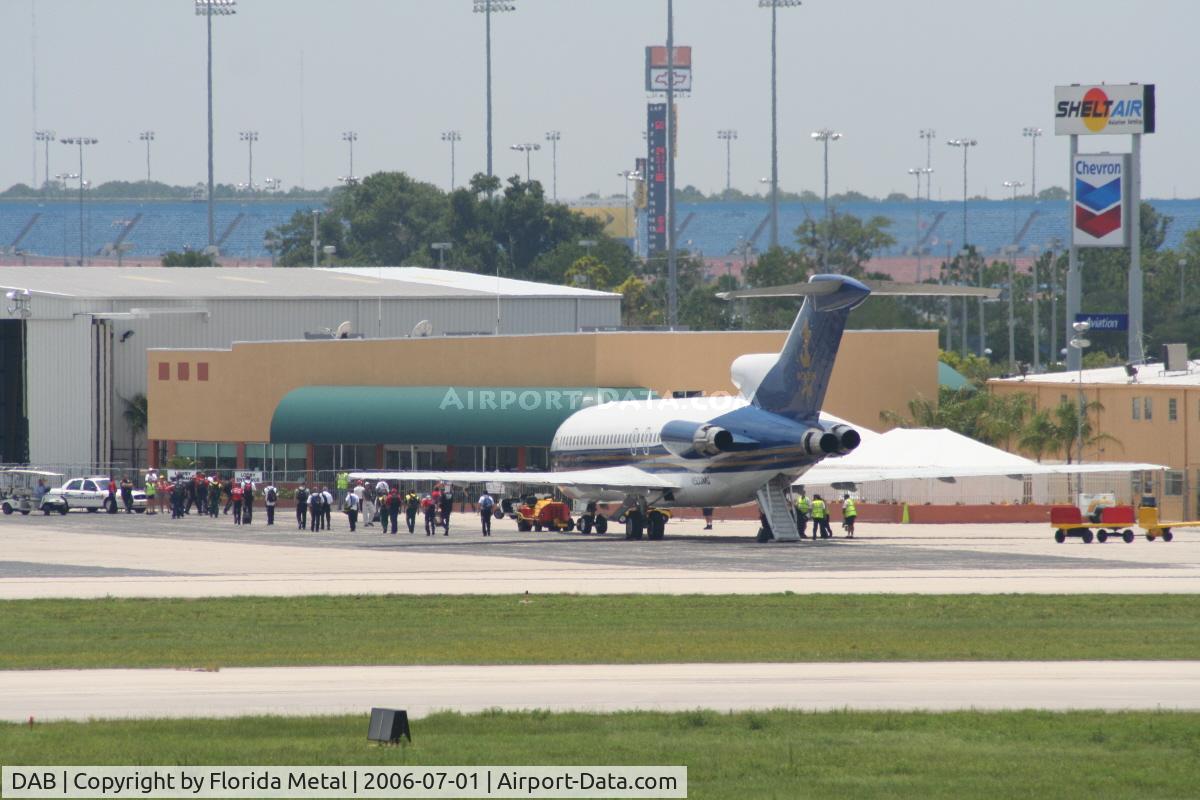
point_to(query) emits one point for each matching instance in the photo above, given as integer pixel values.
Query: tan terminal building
(1153, 416)
(477, 402)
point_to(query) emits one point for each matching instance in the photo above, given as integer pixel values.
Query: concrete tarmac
(937, 686)
(96, 555)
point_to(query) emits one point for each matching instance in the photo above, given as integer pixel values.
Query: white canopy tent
(939, 466)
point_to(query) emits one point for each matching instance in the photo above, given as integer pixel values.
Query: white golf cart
(18, 488)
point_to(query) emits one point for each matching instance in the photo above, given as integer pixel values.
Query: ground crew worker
(430, 508)
(350, 505)
(214, 496)
(315, 515)
(486, 505)
(820, 517)
(301, 506)
(271, 494)
(849, 514)
(326, 507)
(803, 509)
(151, 490)
(412, 504)
(391, 512)
(201, 494)
(235, 497)
(446, 505)
(342, 484)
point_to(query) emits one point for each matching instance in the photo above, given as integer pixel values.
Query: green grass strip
(782, 754)
(574, 629)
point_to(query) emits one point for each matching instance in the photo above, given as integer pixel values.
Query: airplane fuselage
(630, 434)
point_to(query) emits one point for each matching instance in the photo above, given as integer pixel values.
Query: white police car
(90, 493)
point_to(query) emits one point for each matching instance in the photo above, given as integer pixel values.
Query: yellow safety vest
(848, 509)
(802, 504)
(818, 509)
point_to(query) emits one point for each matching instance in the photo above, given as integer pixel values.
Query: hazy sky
(399, 72)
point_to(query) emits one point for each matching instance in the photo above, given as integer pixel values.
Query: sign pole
(1074, 288)
(1136, 355)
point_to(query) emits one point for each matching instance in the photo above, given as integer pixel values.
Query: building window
(1173, 484)
(206, 455)
(227, 456)
(164, 371)
(1147, 408)
(202, 371)
(182, 370)
(1137, 408)
(1172, 409)
(256, 457)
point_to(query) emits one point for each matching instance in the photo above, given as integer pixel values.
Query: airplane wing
(627, 479)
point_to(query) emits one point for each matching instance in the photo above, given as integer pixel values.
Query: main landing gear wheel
(656, 525)
(601, 524)
(634, 525)
(585, 524)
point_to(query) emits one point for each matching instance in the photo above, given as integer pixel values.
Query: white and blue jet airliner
(705, 451)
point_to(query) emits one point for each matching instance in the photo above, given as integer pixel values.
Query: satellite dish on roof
(343, 330)
(422, 328)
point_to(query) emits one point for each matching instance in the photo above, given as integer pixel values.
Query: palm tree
(137, 414)
(1040, 435)
(1072, 430)
(1003, 417)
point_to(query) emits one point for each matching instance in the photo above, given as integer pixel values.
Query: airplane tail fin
(794, 387)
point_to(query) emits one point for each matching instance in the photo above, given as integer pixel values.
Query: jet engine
(696, 439)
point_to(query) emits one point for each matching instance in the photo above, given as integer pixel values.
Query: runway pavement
(96, 555)
(938, 686)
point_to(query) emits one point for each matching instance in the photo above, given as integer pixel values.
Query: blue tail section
(795, 386)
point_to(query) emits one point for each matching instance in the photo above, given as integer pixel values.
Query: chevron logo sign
(1100, 184)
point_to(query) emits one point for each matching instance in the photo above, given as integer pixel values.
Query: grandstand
(49, 232)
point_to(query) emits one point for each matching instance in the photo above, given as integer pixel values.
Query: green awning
(448, 415)
(951, 378)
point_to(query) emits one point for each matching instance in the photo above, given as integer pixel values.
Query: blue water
(716, 229)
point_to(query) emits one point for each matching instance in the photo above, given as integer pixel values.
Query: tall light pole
(249, 137)
(46, 137)
(1055, 245)
(775, 5)
(147, 137)
(553, 138)
(441, 248)
(527, 148)
(966, 145)
(80, 141)
(487, 8)
(728, 136)
(316, 240)
(824, 135)
(1033, 134)
(1079, 342)
(451, 137)
(207, 9)
(628, 175)
(928, 134)
(1014, 185)
(918, 172)
(350, 137)
(672, 263)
